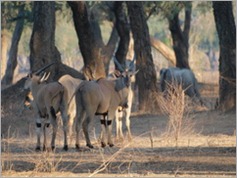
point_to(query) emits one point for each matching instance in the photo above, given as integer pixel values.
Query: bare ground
(208, 151)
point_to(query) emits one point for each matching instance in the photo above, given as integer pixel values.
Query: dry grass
(178, 109)
(161, 146)
(135, 158)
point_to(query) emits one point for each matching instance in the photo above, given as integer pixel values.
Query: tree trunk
(4, 39)
(181, 38)
(4, 45)
(12, 61)
(123, 31)
(146, 77)
(108, 50)
(226, 29)
(42, 43)
(93, 62)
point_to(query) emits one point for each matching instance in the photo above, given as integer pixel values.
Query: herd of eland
(79, 101)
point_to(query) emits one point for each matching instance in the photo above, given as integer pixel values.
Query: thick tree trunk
(4, 40)
(108, 50)
(12, 60)
(123, 29)
(4, 45)
(226, 29)
(180, 37)
(146, 77)
(93, 62)
(42, 44)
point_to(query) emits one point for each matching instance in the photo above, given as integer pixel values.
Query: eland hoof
(65, 148)
(111, 144)
(89, 145)
(103, 144)
(77, 147)
(37, 148)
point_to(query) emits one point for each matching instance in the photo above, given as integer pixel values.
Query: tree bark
(4, 45)
(181, 37)
(123, 31)
(12, 61)
(146, 77)
(42, 43)
(109, 48)
(93, 62)
(4, 39)
(226, 29)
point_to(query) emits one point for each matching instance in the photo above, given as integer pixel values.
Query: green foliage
(10, 15)
(202, 35)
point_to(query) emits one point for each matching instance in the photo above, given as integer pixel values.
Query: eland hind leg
(85, 126)
(65, 118)
(53, 121)
(78, 122)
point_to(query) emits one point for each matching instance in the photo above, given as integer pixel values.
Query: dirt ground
(209, 150)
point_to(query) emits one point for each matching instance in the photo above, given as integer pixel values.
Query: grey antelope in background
(70, 85)
(124, 112)
(173, 76)
(101, 97)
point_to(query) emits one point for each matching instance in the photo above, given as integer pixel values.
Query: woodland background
(82, 37)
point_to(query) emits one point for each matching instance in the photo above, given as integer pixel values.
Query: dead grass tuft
(178, 110)
(47, 162)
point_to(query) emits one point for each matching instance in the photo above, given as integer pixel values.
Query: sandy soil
(207, 150)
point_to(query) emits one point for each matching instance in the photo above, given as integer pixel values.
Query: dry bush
(178, 109)
(6, 164)
(47, 162)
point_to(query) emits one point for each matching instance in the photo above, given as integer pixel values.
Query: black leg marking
(38, 124)
(47, 124)
(37, 148)
(102, 122)
(109, 122)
